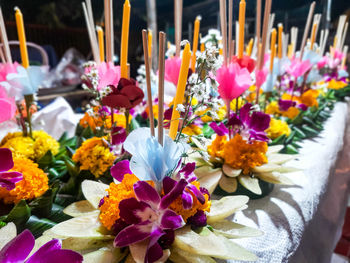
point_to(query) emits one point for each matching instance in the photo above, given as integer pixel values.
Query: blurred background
(58, 26)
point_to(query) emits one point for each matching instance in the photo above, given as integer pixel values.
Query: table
(303, 223)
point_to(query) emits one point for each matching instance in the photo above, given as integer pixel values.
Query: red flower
(126, 95)
(245, 62)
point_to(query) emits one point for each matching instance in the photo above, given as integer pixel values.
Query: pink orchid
(109, 75)
(7, 106)
(298, 68)
(233, 81)
(260, 76)
(6, 69)
(172, 69)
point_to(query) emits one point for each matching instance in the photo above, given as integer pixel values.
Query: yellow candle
(202, 47)
(195, 42)
(290, 51)
(241, 21)
(101, 43)
(125, 40)
(313, 35)
(180, 90)
(273, 48)
(280, 34)
(150, 36)
(22, 38)
(250, 47)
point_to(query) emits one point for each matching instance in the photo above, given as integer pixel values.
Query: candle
(180, 90)
(290, 51)
(313, 35)
(22, 38)
(273, 48)
(125, 40)
(150, 36)
(195, 42)
(280, 35)
(241, 22)
(101, 43)
(250, 47)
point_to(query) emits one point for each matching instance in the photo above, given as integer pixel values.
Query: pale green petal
(79, 208)
(280, 158)
(228, 184)
(94, 191)
(233, 230)
(7, 233)
(274, 149)
(252, 184)
(230, 172)
(275, 178)
(208, 177)
(181, 256)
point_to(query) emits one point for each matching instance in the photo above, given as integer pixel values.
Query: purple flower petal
(259, 136)
(46, 249)
(118, 135)
(120, 169)
(284, 105)
(302, 106)
(234, 121)
(9, 179)
(204, 191)
(145, 192)
(259, 121)
(171, 220)
(167, 239)
(188, 168)
(18, 248)
(197, 193)
(198, 220)
(130, 209)
(154, 250)
(6, 162)
(60, 256)
(244, 113)
(168, 184)
(187, 200)
(119, 225)
(173, 194)
(220, 130)
(133, 234)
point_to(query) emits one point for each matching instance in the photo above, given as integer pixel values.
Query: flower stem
(29, 101)
(127, 125)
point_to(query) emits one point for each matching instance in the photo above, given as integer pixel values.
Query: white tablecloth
(303, 223)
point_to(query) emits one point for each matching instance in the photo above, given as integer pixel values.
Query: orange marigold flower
(94, 155)
(309, 98)
(33, 184)
(240, 154)
(291, 113)
(116, 193)
(177, 206)
(217, 146)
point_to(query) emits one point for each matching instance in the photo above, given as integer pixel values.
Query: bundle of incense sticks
(294, 38)
(161, 72)
(89, 19)
(178, 6)
(307, 29)
(108, 6)
(323, 41)
(5, 48)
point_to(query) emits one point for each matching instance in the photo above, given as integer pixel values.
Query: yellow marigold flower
(309, 98)
(272, 108)
(192, 130)
(233, 104)
(97, 121)
(221, 115)
(95, 156)
(116, 193)
(216, 149)
(252, 95)
(177, 206)
(333, 84)
(155, 111)
(240, 154)
(30, 148)
(34, 183)
(277, 128)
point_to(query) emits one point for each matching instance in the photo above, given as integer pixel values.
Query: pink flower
(172, 69)
(7, 68)
(260, 76)
(233, 81)
(7, 106)
(109, 75)
(298, 68)
(323, 62)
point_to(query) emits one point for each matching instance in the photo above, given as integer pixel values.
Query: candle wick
(16, 8)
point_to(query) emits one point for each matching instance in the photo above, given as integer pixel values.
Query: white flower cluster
(180, 108)
(213, 35)
(141, 78)
(171, 51)
(211, 58)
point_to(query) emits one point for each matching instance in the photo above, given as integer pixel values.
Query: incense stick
(285, 40)
(323, 48)
(258, 20)
(271, 22)
(161, 69)
(307, 29)
(344, 36)
(90, 33)
(264, 34)
(107, 31)
(237, 36)
(223, 29)
(111, 29)
(148, 80)
(92, 27)
(178, 25)
(5, 39)
(230, 17)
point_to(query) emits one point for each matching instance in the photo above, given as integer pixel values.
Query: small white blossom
(180, 108)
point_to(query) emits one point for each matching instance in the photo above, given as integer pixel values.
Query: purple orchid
(120, 169)
(220, 130)
(187, 174)
(284, 105)
(8, 179)
(18, 249)
(118, 135)
(149, 217)
(250, 125)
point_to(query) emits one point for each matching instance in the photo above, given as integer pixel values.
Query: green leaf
(87, 133)
(134, 124)
(299, 132)
(46, 160)
(57, 215)
(207, 131)
(19, 214)
(72, 168)
(70, 151)
(63, 137)
(37, 226)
